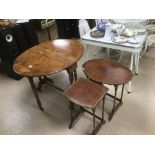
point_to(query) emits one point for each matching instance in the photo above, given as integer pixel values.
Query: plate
(141, 31)
(134, 41)
(97, 34)
(129, 33)
(119, 40)
(150, 27)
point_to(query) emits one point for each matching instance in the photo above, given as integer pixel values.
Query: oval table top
(107, 72)
(48, 58)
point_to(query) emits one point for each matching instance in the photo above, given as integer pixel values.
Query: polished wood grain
(48, 58)
(85, 93)
(107, 72)
(111, 73)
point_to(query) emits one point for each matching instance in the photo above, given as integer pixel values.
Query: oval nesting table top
(48, 58)
(107, 72)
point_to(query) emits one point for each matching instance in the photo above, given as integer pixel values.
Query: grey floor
(19, 113)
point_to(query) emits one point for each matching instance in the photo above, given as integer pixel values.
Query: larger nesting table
(111, 73)
(49, 58)
(106, 42)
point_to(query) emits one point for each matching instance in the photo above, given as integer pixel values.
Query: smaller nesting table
(86, 94)
(111, 73)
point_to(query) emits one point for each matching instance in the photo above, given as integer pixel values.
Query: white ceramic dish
(133, 40)
(150, 27)
(129, 33)
(119, 39)
(141, 31)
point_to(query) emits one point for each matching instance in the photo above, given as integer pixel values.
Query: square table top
(107, 39)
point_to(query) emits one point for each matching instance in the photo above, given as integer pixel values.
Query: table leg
(71, 109)
(75, 74)
(122, 94)
(103, 109)
(97, 50)
(86, 51)
(74, 114)
(93, 121)
(129, 87)
(108, 53)
(131, 67)
(137, 63)
(131, 63)
(43, 80)
(35, 92)
(40, 83)
(114, 105)
(72, 73)
(121, 56)
(71, 77)
(145, 47)
(135, 60)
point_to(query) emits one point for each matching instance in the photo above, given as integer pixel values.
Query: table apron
(117, 47)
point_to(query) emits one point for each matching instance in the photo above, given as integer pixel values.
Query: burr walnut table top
(48, 58)
(107, 72)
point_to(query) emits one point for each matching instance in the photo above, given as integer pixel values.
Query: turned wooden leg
(72, 73)
(35, 92)
(71, 76)
(93, 121)
(43, 80)
(40, 83)
(103, 109)
(75, 75)
(114, 105)
(122, 94)
(72, 119)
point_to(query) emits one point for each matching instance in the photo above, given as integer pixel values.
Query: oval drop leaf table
(49, 58)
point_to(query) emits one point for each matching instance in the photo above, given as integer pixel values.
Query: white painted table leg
(131, 63)
(145, 48)
(108, 53)
(137, 62)
(131, 67)
(86, 50)
(97, 49)
(121, 56)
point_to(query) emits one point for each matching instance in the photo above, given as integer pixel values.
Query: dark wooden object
(86, 94)
(49, 58)
(111, 73)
